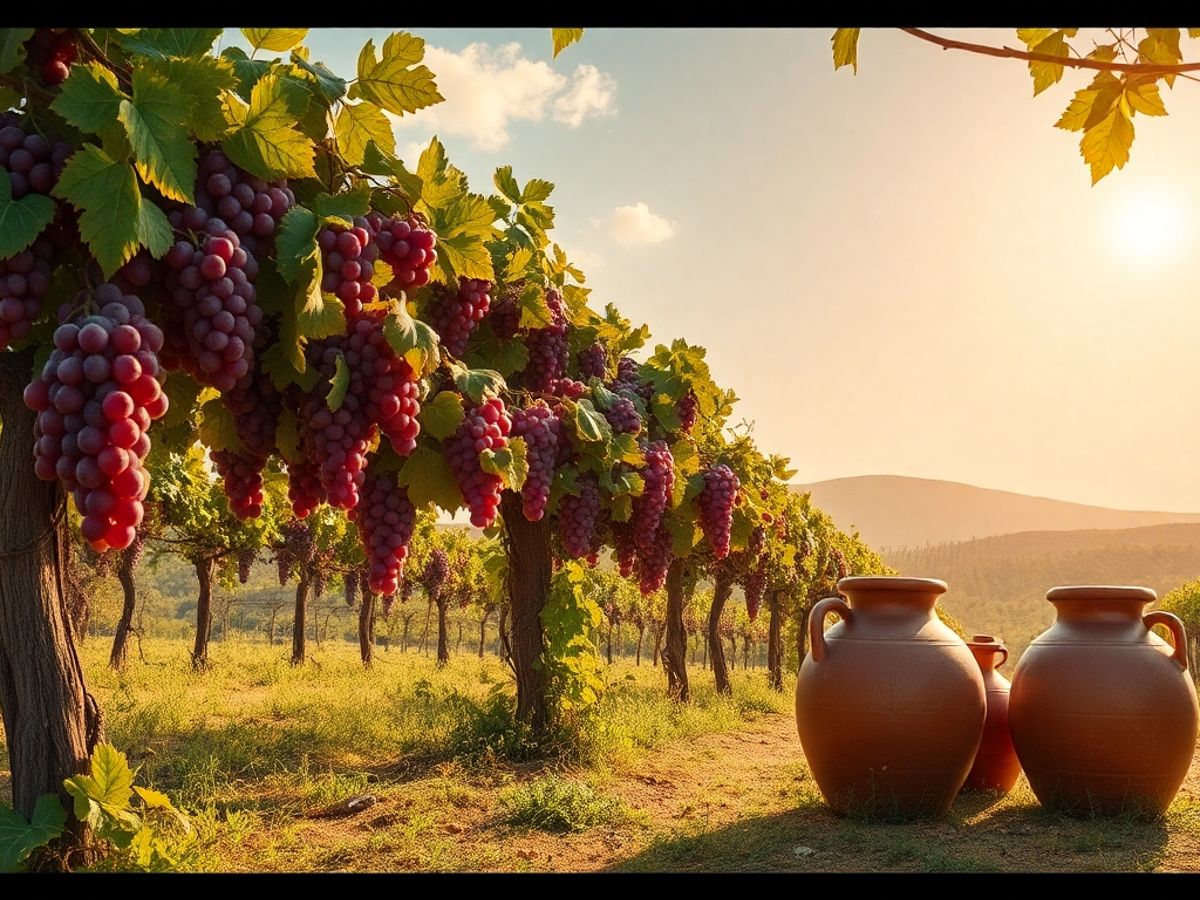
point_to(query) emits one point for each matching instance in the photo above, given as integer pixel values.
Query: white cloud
(638, 225)
(488, 88)
(584, 258)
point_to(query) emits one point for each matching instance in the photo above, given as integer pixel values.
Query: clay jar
(1103, 712)
(889, 701)
(996, 767)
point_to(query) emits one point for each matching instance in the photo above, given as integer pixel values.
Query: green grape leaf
(666, 411)
(412, 339)
(590, 426)
(535, 311)
(201, 82)
(90, 98)
(465, 256)
(319, 315)
(217, 428)
(395, 81)
(537, 190)
(845, 48)
(339, 384)
(359, 124)
(106, 791)
(296, 240)
(429, 480)
(274, 39)
(163, 42)
(742, 527)
(287, 436)
(441, 416)
(510, 463)
(162, 148)
(247, 70)
(478, 384)
(284, 362)
(266, 142)
(21, 221)
(506, 184)
(621, 507)
(505, 357)
(685, 534)
(333, 87)
(1107, 144)
(695, 484)
(11, 50)
(625, 449)
(154, 229)
(113, 216)
(342, 208)
(19, 838)
(564, 38)
(517, 263)
(378, 162)
(9, 98)
(183, 394)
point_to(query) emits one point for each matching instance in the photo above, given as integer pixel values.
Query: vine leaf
(413, 340)
(333, 87)
(1107, 144)
(1143, 96)
(218, 430)
(106, 791)
(21, 221)
(1051, 42)
(395, 82)
(478, 384)
(287, 436)
(247, 70)
(428, 478)
(201, 82)
(506, 184)
(510, 463)
(845, 48)
(19, 838)
(11, 50)
(1091, 105)
(163, 151)
(343, 208)
(274, 39)
(90, 98)
(339, 384)
(296, 240)
(564, 38)
(267, 143)
(165, 42)
(359, 124)
(441, 416)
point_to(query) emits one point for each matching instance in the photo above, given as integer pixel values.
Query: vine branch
(1029, 56)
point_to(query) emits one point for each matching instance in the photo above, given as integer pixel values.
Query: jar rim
(892, 583)
(1102, 592)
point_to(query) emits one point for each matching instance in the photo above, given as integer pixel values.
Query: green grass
(554, 803)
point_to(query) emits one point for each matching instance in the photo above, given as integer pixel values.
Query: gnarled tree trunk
(366, 628)
(774, 641)
(528, 589)
(299, 652)
(51, 722)
(674, 651)
(120, 647)
(443, 648)
(658, 636)
(205, 566)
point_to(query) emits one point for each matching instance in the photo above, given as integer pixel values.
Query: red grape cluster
(754, 584)
(568, 387)
(52, 51)
(455, 313)
(256, 407)
(296, 548)
(24, 279)
(652, 566)
(716, 501)
(628, 379)
(210, 283)
(593, 361)
(31, 162)
(386, 519)
(245, 564)
(437, 571)
(540, 428)
(393, 391)
(626, 548)
(485, 427)
(689, 409)
(659, 478)
(95, 399)
(837, 562)
(351, 581)
(348, 263)
(548, 352)
(251, 207)
(623, 416)
(241, 479)
(304, 487)
(337, 441)
(505, 314)
(577, 518)
(407, 246)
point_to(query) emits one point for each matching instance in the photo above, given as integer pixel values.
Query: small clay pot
(1103, 712)
(996, 766)
(889, 701)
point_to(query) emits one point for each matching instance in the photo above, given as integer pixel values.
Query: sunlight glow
(1149, 225)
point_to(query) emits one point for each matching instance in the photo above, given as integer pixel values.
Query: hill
(998, 584)
(896, 511)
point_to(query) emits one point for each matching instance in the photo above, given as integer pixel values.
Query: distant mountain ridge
(897, 511)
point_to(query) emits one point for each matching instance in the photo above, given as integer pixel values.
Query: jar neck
(1098, 611)
(892, 602)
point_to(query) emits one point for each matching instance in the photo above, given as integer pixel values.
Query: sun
(1150, 224)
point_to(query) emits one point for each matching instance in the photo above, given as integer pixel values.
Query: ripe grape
(505, 313)
(548, 351)
(245, 564)
(24, 279)
(348, 263)
(626, 548)
(304, 487)
(652, 565)
(577, 517)
(568, 387)
(485, 427)
(837, 562)
(350, 584)
(540, 428)
(455, 313)
(754, 584)
(629, 379)
(593, 361)
(407, 246)
(295, 549)
(386, 519)
(252, 207)
(623, 416)
(659, 477)
(688, 411)
(716, 501)
(435, 574)
(241, 475)
(31, 161)
(52, 51)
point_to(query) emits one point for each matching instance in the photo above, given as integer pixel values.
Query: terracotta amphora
(1103, 712)
(996, 767)
(889, 701)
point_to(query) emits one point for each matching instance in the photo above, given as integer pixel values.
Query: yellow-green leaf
(1046, 74)
(217, 428)
(428, 478)
(1144, 97)
(275, 39)
(412, 339)
(845, 48)
(395, 81)
(163, 150)
(1107, 144)
(105, 192)
(202, 81)
(1091, 105)
(359, 124)
(90, 98)
(441, 416)
(339, 384)
(266, 142)
(564, 38)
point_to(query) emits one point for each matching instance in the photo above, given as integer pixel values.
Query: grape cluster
(132, 555)
(548, 352)
(348, 259)
(351, 581)
(407, 246)
(32, 162)
(540, 428)
(626, 548)
(593, 361)
(304, 487)
(754, 584)
(455, 313)
(837, 562)
(52, 51)
(652, 565)
(24, 279)
(505, 315)
(406, 589)
(256, 407)
(250, 206)
(659, 478)
(386, 519)
(568, 387)
(628, 379)
(96, 397)
(245, 564)
(577, 518)
(241, 477)
(295, 550)
(623, 416)
(716, 501)
(689, 409)
(485, 427)
(215, 314)
(436, 573)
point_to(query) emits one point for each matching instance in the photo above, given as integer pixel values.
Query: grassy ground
(265, 757)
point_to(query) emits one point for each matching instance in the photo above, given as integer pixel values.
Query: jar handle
(1003, 659)
(1173, 624)
(816, 623)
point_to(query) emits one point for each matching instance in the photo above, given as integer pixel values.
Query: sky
(902, 272)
